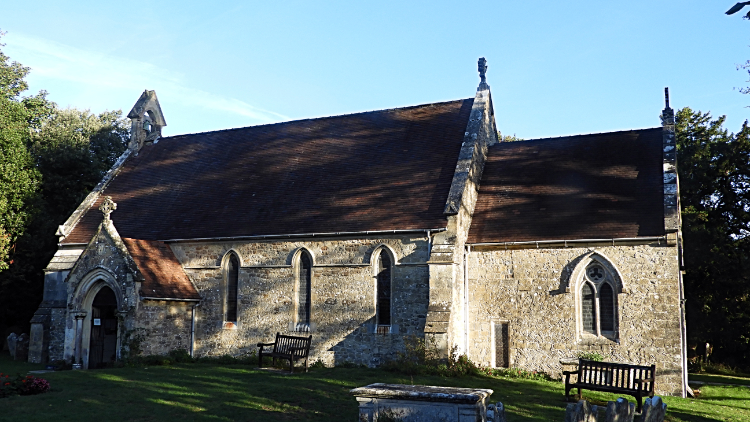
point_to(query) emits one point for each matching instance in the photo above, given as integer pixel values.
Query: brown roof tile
(607, 185)
(163, 275)
(380, 170)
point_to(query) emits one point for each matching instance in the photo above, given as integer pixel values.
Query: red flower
(7, 383)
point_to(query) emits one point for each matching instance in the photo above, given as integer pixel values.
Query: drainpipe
(467, 251)
(683, 323)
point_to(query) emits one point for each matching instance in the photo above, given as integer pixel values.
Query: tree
(714, 168)
(19, 179)
(508, 138)
(72, 149)
(50, 159)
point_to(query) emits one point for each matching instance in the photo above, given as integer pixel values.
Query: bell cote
(146, 120)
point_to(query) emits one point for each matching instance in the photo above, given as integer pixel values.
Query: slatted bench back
(615, 375)
(286, 345)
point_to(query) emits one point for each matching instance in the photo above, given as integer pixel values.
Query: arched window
(607, 307)
(598, 301)
(588, 308)
(304, 282)
(383, 293)
(231, 285)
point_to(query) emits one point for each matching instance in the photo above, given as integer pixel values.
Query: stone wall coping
(422, 393)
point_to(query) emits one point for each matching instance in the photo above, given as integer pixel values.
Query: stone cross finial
(482, 66)
(107, 206)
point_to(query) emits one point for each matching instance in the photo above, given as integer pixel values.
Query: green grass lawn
(210, 392)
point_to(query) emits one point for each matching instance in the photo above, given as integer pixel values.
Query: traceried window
(304, 282)
(231, 285)
(598, 302)
(383, 292)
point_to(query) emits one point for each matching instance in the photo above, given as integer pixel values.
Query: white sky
(555, 68)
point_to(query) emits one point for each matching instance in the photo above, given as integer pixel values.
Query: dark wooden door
(103, 345)
(502, 346)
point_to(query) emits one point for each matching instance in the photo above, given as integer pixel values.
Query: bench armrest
(265, 344)
(569, 372)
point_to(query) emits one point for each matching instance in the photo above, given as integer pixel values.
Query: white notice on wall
(97, 321)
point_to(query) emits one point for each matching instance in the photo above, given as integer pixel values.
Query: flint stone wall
(526, 288)
(343, 298)
(165, 326)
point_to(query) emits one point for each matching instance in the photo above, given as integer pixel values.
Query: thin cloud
(104, 72)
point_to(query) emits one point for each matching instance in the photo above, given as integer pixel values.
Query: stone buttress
(445, 317)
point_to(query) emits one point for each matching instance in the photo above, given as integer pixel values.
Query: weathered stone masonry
(533, 291)
(343, 295)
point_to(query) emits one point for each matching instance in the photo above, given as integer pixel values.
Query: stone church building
(367, 229)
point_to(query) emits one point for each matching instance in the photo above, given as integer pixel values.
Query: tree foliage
(19, 179)
(714, 169)
(72, 150)
(50, 159)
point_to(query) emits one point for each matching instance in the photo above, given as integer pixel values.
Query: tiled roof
(600, 186)
(380, 170)
(163, 275)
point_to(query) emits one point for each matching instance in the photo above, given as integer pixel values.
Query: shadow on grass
(240, 393)
(210, 392)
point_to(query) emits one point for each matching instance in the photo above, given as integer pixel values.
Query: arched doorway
(103, 338)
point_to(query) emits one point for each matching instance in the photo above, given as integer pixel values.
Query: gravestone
(12, 340)
(421, 403)
(619, 411)
(654, 410)
(582, 411)
(496, 413)
(22, 348)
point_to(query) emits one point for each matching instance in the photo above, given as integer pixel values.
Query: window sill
(592, 339)
(383, 329)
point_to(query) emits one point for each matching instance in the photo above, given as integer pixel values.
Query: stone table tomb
(417, 403)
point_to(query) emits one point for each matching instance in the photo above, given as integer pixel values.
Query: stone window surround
(613, 279)
(229, 325)
(374, 262)
(296, 262)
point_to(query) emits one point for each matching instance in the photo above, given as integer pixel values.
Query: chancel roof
(598, 186)
(380, 170)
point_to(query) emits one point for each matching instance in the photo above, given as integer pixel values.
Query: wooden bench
(286, 347)
(622, 378)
